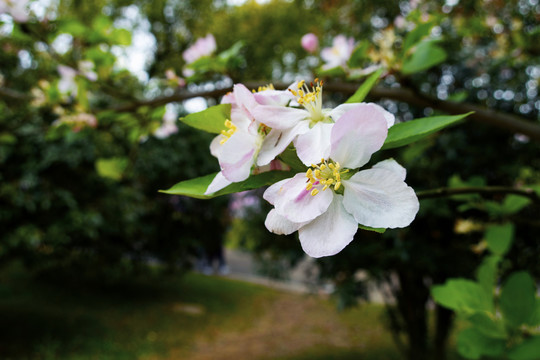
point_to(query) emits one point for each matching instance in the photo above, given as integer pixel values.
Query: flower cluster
(326, 203)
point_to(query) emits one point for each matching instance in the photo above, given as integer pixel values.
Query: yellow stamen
(314, 192)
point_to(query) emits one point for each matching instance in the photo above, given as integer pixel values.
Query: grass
(192, 317)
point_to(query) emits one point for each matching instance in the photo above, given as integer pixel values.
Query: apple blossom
(18, 9)
(326, 204)
(310, 42)
(339, 54)
(246, 138)
(202, 47)
(308, 127)
(168, 127)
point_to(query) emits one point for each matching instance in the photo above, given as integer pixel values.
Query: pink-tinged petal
(357, 135)
(340, 110)
(237, 146)
(273, 97)
(380, 198)
(279, 117)
(240, 170)
(279, 224)
(277, 141)
(274, 191)
(215, 146)
(329, 233)
(315, 144)
(244, 98)
(297, 204)
(392, 165)
(217, 184)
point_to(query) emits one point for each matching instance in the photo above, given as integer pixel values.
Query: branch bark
(506, 121)
(487, 190)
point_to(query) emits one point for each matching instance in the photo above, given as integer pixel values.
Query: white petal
(279, 117)
(217, 184)
(297, 204)
(244, 98)
(314, 145)
(338, 111)
(357, 135)
(274, 97)
(277, 140)
(274, 191)
(329, 233)
(279, 224)
(392, 165)
(380, 198)
(216, 146)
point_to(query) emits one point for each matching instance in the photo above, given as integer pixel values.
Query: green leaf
(290, 157)
(514, 203)
(121, 37)
(499, 238)
(417, 34)
(426, 55)
(527, 350)
(472, 344)
(488, 325)
(377, 230)
(112, 168)
(232, 51)
(518, 299)
(366, 86)
(535, 318)
(72, 27)
(407, 132)
(486, 274)
(359, 53)
(335, 71)
(197, 187)
(211, 120)
(462, 295)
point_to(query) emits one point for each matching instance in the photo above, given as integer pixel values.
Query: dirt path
(289, 325)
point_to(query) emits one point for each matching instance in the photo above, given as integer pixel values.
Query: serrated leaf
(426, 55)
(529, 349)
(197, 187)
(518, 298)
(472, 344)
(366, 86)
(211, 120)
(499, 238)
(462, 295)
(408, 132)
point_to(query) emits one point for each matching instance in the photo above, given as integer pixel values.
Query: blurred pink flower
(203, 47)
(310, 42)
(16, 8)
(340, 52)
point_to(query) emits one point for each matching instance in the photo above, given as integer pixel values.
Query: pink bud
(310, 42)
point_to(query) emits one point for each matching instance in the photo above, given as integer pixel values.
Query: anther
(314, 192)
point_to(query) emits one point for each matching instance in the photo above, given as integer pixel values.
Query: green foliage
(211, 120)
(197, 187)
(405, 133)
(366, 86)
(426, 55)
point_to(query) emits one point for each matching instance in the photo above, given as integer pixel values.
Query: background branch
(499, 119)
(487, 190)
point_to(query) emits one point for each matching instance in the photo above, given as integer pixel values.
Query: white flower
(203, 47)
(308, 127)
(18, 9)
(326, 204)
(339, 54)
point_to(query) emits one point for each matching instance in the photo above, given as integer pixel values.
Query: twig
(489, 190)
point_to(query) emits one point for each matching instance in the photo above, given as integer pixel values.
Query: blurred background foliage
(83, 198)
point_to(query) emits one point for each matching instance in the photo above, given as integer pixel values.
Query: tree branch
(499, 119)
(487, 190)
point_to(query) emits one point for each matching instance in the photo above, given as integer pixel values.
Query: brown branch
(14, 94)
(486, 190)
(499, 119)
